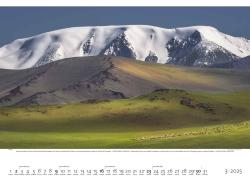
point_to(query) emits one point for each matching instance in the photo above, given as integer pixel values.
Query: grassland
(187, 78)
(162, 119)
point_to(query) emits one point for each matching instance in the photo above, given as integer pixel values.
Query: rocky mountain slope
(87, 79)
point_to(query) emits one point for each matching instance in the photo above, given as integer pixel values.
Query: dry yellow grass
(170, 76)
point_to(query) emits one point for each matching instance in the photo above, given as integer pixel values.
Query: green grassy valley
(162, 119)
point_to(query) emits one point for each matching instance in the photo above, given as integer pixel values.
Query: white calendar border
(215, 161)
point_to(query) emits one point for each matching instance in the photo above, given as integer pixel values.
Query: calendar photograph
(124, 78)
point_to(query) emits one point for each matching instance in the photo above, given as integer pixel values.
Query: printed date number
(233, 171)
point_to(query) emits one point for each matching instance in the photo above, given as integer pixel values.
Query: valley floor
(162, 119)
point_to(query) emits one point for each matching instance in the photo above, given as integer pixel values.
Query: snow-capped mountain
(192, 46)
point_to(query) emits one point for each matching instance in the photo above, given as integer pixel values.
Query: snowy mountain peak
(196, 45)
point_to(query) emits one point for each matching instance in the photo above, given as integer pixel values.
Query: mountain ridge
(107, 77)
(141, 42)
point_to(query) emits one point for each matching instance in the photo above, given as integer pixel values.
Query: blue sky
(20, 22)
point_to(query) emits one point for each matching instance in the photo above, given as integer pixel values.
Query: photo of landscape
(125, 77)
